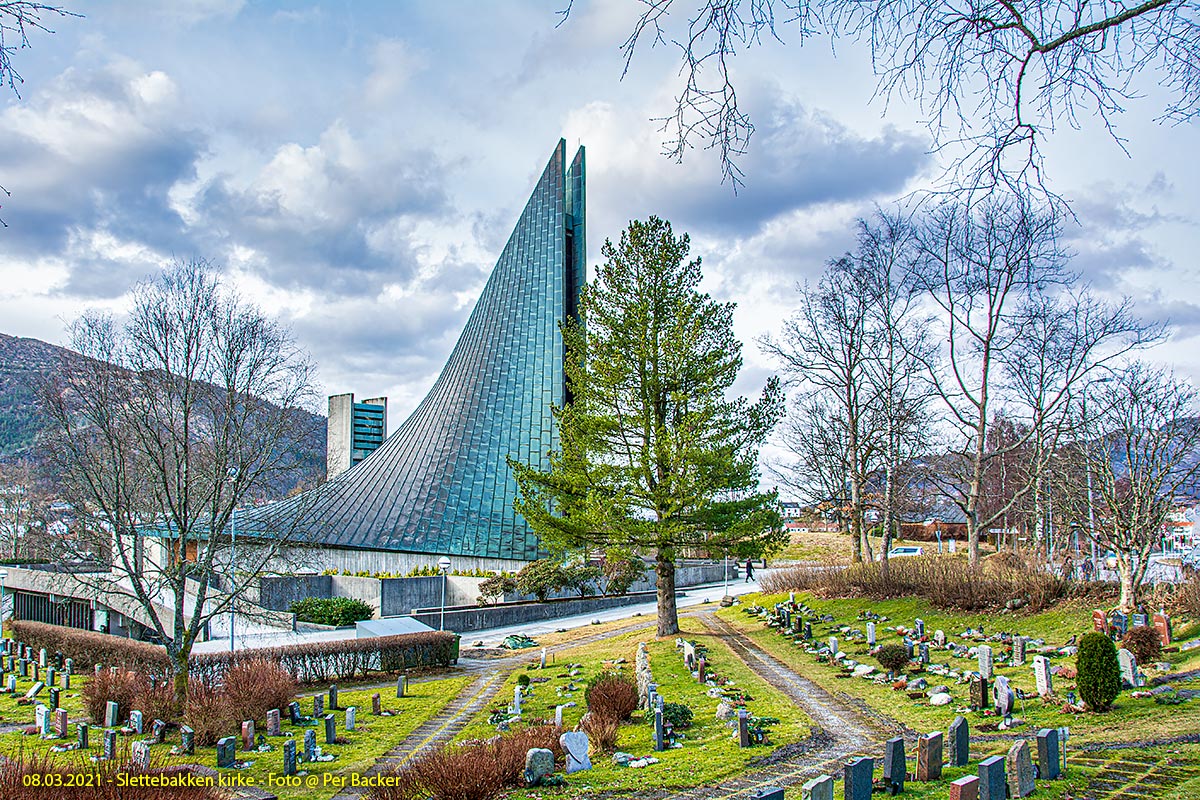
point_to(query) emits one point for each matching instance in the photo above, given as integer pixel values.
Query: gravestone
(110, 714)
(1129, 676)
(689, 654)
(701, 668)
(985, 662)
(1004, 697)
(289, 757)
(819, 788)
(139, 754)
(81, 736)
(376, 704)
(1048, 754)
(1020, 770)
(539, 764)
(1018, 654)
(135, 721)
(41, 716)
(158, 731)
(330, 729)
(248, 734)
(965, 788)
(659, 743)
(558, 716)
(517, 700)
(856, 782)
(920, 626)
(294, 712)
(542, 661)
(51, 675)
(1139, 620)
(807, 631)
(310, 745)
(743, 728)
(929, 757)
(939, 638)
(923, 651)
(401, 685)
(894, 766)
(35, 690)
(23, 667)
(1120, 623)
(42, 658)
(992, 782)
(273, 728)
(1100, 621)
(69, 665)
(959, 739)
(187, 740)
(11, 686)
(833, 645)
(226, 752)
(351, 717)
(64, 681)
(575, 746)
(318, 706)
(870, 634)
(908, 647)
(35, 671)
(980, 697)
(1042, 676)
(1162, 624)
(110, 744)
(54, 695)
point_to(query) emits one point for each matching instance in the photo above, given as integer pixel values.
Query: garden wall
(463, 619)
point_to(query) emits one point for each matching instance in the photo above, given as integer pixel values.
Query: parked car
(901, 552)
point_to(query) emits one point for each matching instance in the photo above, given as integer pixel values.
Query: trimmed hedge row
(339, 659)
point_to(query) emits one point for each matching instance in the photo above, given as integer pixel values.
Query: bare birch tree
(1139, 441)
(177, 414)
(992, 77)
(1016, 338)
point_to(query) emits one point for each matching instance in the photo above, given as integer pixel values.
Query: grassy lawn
(1130, 718)
(709, 751)
(822, 547)
(373, 736)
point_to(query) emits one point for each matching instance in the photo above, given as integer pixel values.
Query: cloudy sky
(357, 167)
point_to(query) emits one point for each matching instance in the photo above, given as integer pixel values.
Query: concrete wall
(465, 619)
(318, 559)
(390, 597)
(279, 593)
(365, 589)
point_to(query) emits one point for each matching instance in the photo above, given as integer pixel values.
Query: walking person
(749, 570)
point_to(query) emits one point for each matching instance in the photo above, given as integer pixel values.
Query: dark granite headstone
(318, 706)
(659, 743)
(808, 631)
(81, 736)
(273, 728)
(187, 740)
(819, 788)
(743, 728)
(959, 739)
(376, 704)
(894, 767)
(54, 695)
(980, 693)
(333, 697)
(1120, 623)
(110, 744)
(226, 752)
(857, 779)
(289, 757)
(330, 729)
(310, 745)
(1048, 754)
(294, 712)
(992, 779)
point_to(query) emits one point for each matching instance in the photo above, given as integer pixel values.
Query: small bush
(258, 686)
(1143, 642)
(1099, 672)
(892, 657)
(612, 696)
(602, 731)
(122, 687)
(677, 715)
(523, 680)
(89, 647)
(335, 611)
(621, 569)
(494, 588)
(540, 578)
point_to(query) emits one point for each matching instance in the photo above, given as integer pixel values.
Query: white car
(901, 552)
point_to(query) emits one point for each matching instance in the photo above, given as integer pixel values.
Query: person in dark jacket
(749, 570)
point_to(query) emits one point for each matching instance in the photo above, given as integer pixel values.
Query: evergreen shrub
(1099, 678)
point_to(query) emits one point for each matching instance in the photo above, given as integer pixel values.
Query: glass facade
(440, 483)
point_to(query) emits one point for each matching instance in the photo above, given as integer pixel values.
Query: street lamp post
(444, 566)
(232, 474)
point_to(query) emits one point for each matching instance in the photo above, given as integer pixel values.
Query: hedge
(339, 659)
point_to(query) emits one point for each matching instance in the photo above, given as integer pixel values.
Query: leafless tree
(1135, 450)
(175, 415)
(23, 512)
(814, 437)
(1017, 338)
(993, 77)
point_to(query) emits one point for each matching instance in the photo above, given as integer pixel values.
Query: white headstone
(870, 634)
(1041, 675)
(833, 645)
(575, 745)
(985, 661)
(1128, 662)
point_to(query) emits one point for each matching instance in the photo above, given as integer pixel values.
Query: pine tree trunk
(668, 617)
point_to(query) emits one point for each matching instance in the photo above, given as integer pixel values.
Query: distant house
(945, 521)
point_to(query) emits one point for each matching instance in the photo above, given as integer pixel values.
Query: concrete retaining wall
(278, 593)
(464, 619)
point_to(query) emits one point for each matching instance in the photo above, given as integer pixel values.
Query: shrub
(62, 772)
(1099, 673)
(944, 581)
(122, 687)
(89, 647)
(523, 679)
(335, 611)
(469, 771)
(892, 657)
(494, 588)
(257, 686)
(601, 730)
(621, 570)
(612, 696)
(581, 577)
(209, 713)
(1143, 642)
(540, 578)
(677, 715)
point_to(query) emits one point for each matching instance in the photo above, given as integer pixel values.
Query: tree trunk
(1128, 602)
(179, 663)
(668, 617)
